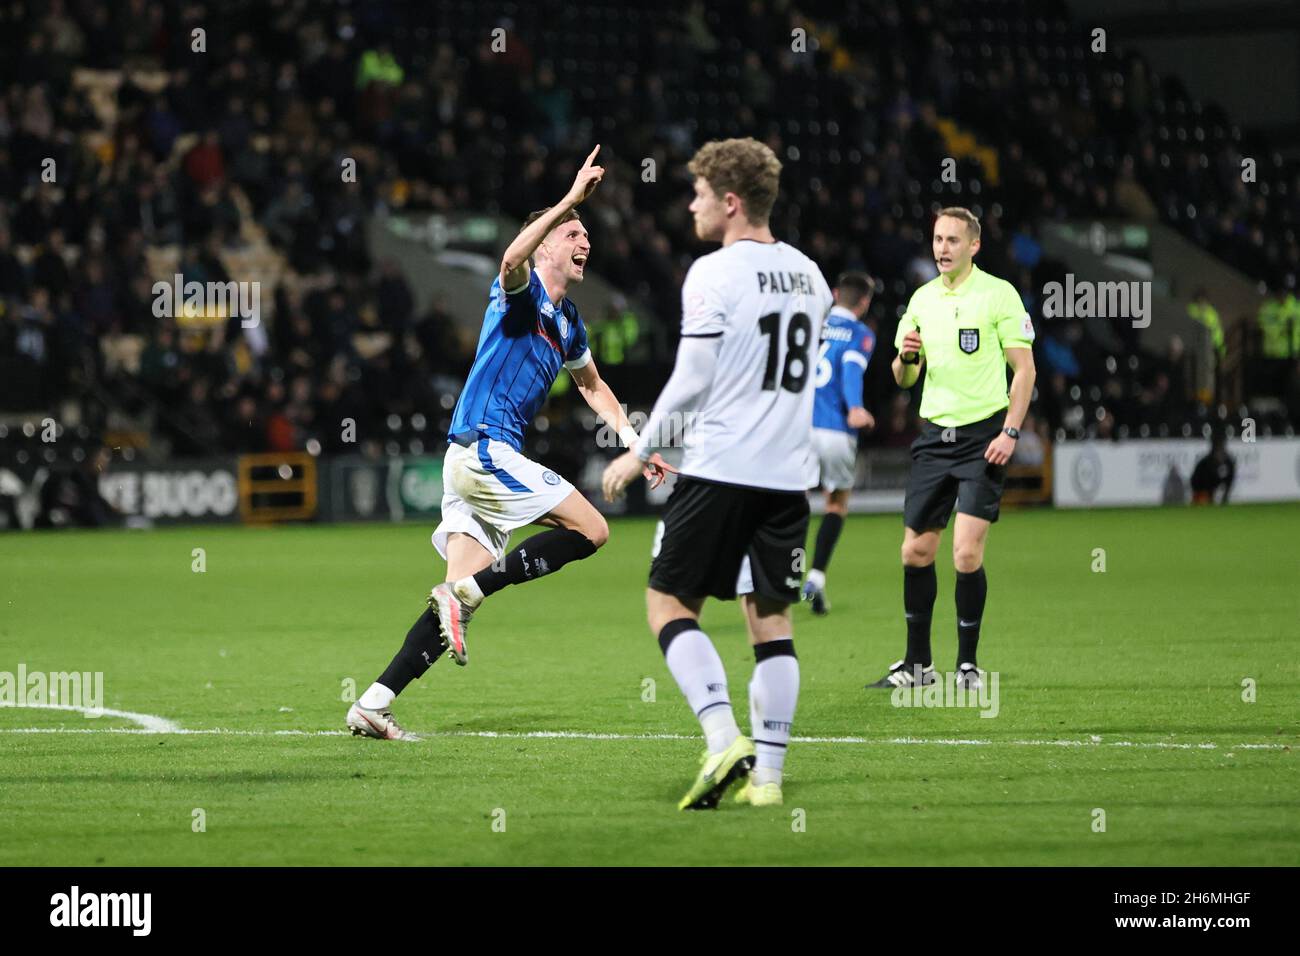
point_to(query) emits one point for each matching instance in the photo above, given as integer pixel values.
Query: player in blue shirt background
(838, 413)
(490, 488)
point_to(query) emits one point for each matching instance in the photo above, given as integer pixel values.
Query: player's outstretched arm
(687, 386)
(684, 392)
(514, 262)
(597, 394)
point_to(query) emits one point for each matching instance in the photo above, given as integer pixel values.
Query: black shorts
(709, 528)
(954, 471)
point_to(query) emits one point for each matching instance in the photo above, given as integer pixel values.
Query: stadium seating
(230, 165)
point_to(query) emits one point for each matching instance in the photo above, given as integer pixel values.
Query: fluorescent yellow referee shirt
(965, 333)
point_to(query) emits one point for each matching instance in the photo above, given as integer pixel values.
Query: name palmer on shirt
(786, 282)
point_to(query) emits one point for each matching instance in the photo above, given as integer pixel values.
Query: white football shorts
(489, 490)
(834, 459)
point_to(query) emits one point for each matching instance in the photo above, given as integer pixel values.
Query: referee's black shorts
(709, 527)
(953, 471)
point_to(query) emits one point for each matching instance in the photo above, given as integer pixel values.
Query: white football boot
(364, 722)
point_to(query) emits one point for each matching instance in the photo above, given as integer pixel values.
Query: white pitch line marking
(575, 735)
(149, 724)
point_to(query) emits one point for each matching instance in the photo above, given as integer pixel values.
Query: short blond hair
(745, 167)
(965, 215)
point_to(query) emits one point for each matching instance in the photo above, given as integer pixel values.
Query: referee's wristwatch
(910, 358)
(1013, 433)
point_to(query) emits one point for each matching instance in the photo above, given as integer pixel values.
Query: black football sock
(422, 647)
(972, 589)
(827, 534)
(920, 588)
(540, 555)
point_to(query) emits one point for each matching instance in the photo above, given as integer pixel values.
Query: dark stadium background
(228, 164)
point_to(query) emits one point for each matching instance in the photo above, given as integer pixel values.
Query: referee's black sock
(920, 587)
(423, 646)
(972, 589)
(539, 555)
(827, 534)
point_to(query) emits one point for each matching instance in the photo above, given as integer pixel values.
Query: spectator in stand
(1214, 474)
(50, 268)
(393, 298)
(268, 112)
(1206, 315)
(70, 496)
(245, 432)
(204, 163)
(13, 278)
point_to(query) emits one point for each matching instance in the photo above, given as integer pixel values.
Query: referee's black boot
(903, 676)
(969, 677)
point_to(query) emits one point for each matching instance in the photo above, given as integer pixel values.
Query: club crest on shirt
(968, 340)
(564, 326)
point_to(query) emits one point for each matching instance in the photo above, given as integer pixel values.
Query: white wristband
(627, 434)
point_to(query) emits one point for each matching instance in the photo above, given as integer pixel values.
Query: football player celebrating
(530, 330)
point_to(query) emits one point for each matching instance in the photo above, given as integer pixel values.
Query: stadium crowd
(134, 155)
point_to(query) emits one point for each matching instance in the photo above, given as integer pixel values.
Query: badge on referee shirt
(968, 340)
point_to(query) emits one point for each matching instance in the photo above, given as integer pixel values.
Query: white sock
(720, 729)
(817, 579)
(467, 589)
(773, 694)
(376, 697)
(697, 668)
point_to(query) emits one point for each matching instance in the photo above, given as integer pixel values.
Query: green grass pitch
(1135, 668)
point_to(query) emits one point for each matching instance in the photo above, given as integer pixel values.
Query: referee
(966, 326)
